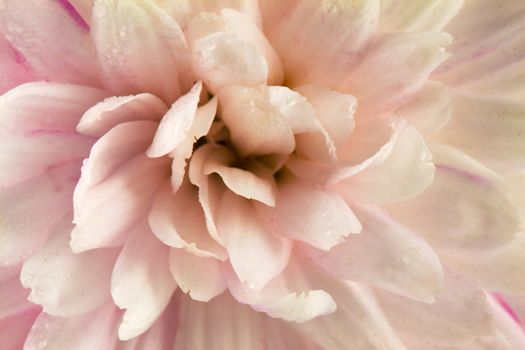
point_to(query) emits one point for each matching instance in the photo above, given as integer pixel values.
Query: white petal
(254, 126)
(201, 277)
(317, 217)
(291, 296)
(358, 323)
(387, 255)
(429, 110)
(222, 59)
(462, 209)
(64, 283)
(418, 15)
(256, 254)
(406, 172)
(489, 129)
(100, 118)
(138, 37)
(141, 282)
(178, 221)
(175, 125)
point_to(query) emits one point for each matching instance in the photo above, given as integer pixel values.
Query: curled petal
(100, 118)
(178, 221)
(200, 277)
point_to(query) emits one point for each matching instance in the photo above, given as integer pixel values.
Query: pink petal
(141, 282)
(459, 315)
(201, 126)
(411, 58)
(14, 329)
(14, 68)
(31, 209)
(318, 50)
(83, 8)
(93, 330)
(405, 173)
(489, 129)
(387, 255)
(256, 254)
(254, 127)
(13, 297)
(107, 114)
(139, 37)
(418, 15)
(239, 25)
(106, 212)
(305, 213)
(64, 283)
(38, 128)
(200, 277)
(511, 331)
(176, 124)
(178, 221)
(291, 296)
(45, 41)
(241, 182)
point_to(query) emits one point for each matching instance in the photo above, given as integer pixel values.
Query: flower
(281, 174)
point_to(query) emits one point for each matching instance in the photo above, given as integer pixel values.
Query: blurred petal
(45, 41)
(141, 282)
(200, 277)
(14, 328)
(317, 217)
(14, 69)
(256, 254)
(387, 255)
(489, 129)
(417, 15)
(107, 114)
(429, 110)
(460, 314)
(64, 283)
(93, 330)
(138, 37)
(488, 50)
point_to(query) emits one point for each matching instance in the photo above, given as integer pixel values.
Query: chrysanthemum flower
(274, 174)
